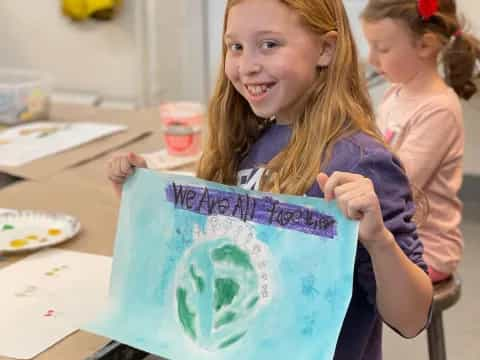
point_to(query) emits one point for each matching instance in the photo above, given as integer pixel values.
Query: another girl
(421, 116)
(291, 115)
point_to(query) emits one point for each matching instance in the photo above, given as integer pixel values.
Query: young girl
(294, 61)
(421, 116)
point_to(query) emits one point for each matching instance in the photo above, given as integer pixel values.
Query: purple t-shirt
(361, 334)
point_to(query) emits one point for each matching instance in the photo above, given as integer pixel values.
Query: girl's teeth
(258, 90)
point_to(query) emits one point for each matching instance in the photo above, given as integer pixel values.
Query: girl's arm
(403, 290)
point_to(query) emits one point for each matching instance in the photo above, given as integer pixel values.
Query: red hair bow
(427, 8)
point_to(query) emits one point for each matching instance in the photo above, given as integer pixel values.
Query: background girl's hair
(422, 205)
(336, 105)
(461, 53)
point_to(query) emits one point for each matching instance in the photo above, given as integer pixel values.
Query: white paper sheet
(47, 296)
(162, 160)
(25, 143)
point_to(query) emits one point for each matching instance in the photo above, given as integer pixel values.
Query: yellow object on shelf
(96, 5)
(75, 9)
(79, 10)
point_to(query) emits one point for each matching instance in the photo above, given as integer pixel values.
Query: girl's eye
(269, 44)
(234, 47)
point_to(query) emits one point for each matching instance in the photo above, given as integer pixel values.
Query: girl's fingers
(136, 160)
(343, 202)
(115, 170)
(347, 196)
(355, 199)
(352, 187)
(322, 179)
(354, 193)
(338, 179)
(357, 207)
(116, 179)
(125, 166)
(354, 206)
(119, 169)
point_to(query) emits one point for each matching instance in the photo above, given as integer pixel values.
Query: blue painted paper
(206, 271)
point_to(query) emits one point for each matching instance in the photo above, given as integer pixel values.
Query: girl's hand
(357, 199)
(121, 166)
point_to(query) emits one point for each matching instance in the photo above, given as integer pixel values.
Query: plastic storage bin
(24, 96)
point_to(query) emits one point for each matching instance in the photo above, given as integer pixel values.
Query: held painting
(206, 271)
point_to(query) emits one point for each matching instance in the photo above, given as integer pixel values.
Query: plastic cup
(182, 127)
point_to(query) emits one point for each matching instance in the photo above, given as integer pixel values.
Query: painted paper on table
(25, 143)
(206, 271)
(47, 296)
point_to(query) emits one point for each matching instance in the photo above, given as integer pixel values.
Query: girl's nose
(249, 66)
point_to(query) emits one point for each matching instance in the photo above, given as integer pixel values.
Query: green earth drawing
(217, 293)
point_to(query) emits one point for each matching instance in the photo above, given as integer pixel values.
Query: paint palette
(31, 230)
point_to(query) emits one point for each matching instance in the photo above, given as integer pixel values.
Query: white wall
(471, 11)
(180, 54)
(354, 8)
(216, 9)
(92, 56)
(107, 57)
(471, 112)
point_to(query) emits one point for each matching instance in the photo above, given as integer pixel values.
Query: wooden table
(94, 173)
(141, 123)
(98, 217)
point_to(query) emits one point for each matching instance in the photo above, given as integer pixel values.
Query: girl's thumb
(322, 179)
(136, 160)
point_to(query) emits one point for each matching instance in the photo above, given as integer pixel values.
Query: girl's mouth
(258, 92)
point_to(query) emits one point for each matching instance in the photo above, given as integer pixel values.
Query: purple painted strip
(265, 210)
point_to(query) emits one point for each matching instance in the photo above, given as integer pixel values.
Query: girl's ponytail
(461, 60)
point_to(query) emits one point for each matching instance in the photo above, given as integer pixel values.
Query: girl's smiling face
(272, 58)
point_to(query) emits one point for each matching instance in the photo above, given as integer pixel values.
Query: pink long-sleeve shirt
(427, 134)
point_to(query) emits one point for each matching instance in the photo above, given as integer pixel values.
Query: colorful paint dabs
(54, 232)
(49, 313)
(20, 243)
(56, 270)
(27, 230)
(23, 236)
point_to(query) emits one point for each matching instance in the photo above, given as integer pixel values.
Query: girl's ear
(428, 45)
(328, 45)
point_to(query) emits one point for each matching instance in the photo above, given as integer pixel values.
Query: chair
(445, 294)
